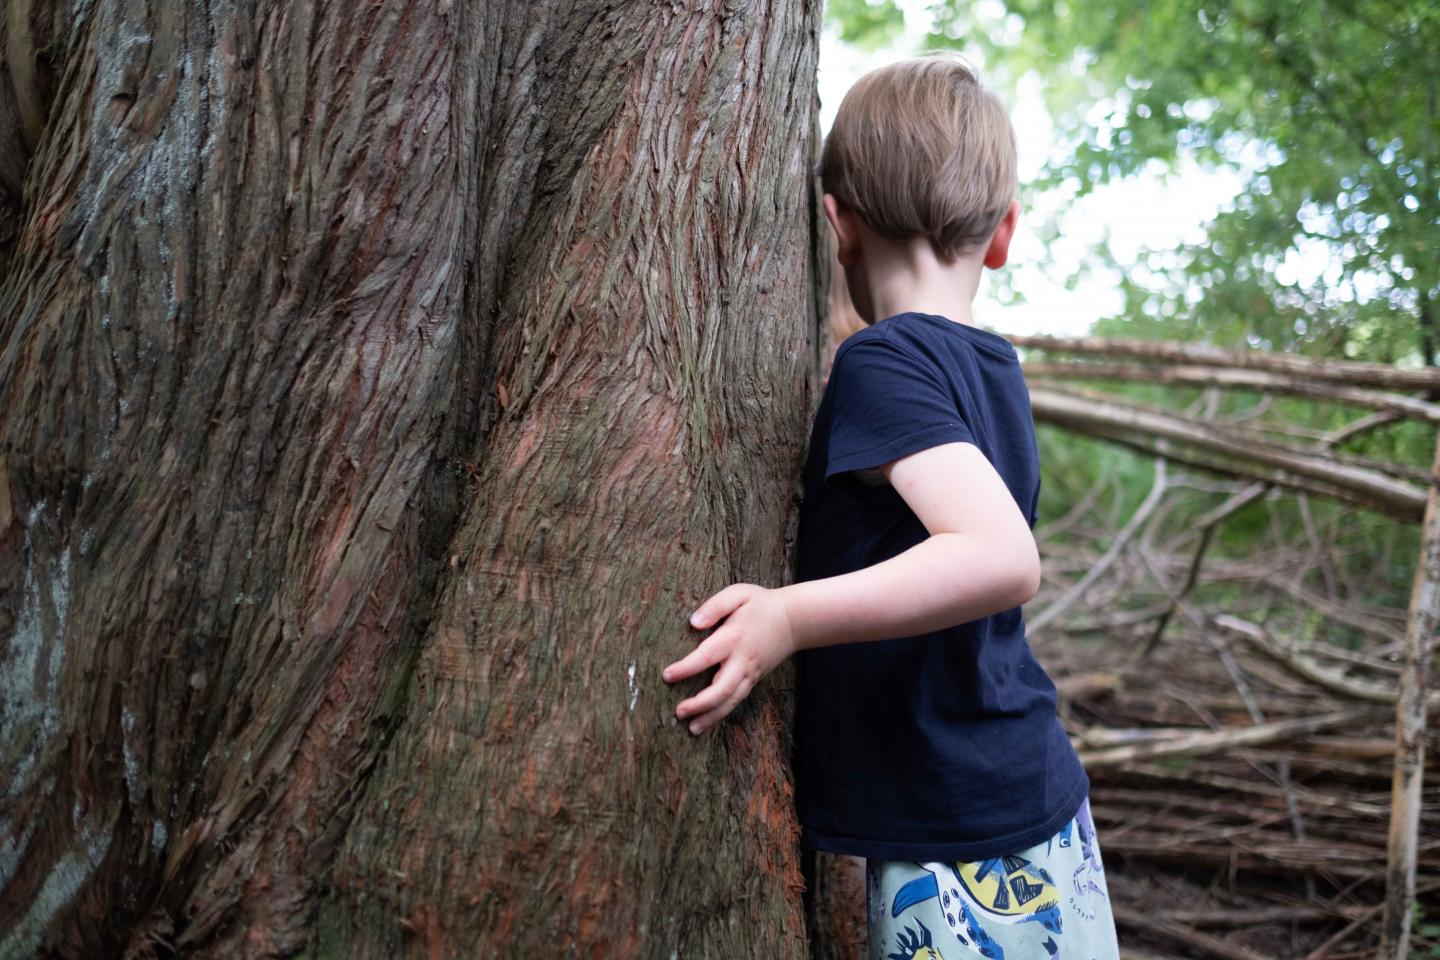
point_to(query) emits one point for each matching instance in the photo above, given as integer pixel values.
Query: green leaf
(865, 24)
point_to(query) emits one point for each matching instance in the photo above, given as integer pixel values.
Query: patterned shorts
(1047, 901)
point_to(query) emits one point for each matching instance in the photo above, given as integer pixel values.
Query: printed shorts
(1047, 902)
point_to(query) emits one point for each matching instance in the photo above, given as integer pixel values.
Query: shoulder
(862, 338)
(883, 350)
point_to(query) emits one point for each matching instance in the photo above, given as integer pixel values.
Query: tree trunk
(383, 384)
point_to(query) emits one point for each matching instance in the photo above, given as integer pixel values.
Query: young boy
(926, 734)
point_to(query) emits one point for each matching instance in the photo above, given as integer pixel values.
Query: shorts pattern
(1047, 902)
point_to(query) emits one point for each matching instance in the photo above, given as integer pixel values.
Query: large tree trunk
(382, 386)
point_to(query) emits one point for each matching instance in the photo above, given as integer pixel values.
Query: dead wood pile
(1253, 794)
(1224, 837)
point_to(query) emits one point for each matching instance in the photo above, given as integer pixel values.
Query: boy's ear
(999, 249)
(846, 234)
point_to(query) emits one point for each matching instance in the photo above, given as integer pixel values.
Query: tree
(1327, 111)
(382, 386)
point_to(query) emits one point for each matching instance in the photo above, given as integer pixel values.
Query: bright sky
(1144, 211)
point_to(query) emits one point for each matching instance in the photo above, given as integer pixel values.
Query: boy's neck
(907, 276)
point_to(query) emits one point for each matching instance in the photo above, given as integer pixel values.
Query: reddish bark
(382, 383)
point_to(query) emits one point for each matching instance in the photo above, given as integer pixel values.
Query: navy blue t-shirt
(946, 745)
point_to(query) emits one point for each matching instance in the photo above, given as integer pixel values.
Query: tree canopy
(1329, 109)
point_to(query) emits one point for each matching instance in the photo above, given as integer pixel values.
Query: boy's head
(920, 149)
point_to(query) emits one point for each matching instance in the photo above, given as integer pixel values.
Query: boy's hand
(752, 642)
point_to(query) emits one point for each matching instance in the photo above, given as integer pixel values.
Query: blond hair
(920, 148)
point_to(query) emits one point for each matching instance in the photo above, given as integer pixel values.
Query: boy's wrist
(786, 596)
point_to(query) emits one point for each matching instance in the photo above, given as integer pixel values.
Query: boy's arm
(980, 559)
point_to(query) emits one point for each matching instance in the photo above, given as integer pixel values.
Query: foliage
(1330, 111)
(867, 24)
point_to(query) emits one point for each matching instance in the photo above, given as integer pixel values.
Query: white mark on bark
(110, 423)
(212, 88)
(158, 835)
(120, 57)
(29, 711)
(12, 846)
(634, 690)
(148, 180)
(132, 766)
(69, 872)
(79, 9)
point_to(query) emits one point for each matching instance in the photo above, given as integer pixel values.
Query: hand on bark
(754, 640)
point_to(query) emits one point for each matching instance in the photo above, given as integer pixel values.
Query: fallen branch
(1258, 380)
(1198, 744)
(1352, 372)
(1289, 656)
(1155, 431)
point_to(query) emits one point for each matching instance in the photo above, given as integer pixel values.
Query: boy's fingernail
(695, 727)
(696, 619)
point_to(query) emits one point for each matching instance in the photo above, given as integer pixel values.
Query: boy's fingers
(711, 651)
(712, 696)
(702, 723)
(721, 605)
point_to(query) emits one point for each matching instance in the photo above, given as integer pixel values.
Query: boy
(926, 734)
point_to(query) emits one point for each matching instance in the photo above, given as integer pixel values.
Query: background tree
(1328, 110)
(382, 386)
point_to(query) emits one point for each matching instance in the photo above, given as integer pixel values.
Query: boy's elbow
(1030, 586)
(1013, 564)
(1027, 571)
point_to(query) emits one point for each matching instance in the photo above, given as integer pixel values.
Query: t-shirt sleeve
(887, 404)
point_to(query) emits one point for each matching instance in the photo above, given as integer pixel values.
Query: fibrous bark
(382, 385)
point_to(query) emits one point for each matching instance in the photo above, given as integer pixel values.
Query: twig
(1213, 946)
(1323, 951)
(1157, 490)
(1302, 666)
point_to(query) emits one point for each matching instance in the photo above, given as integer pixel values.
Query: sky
(1152, 210)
